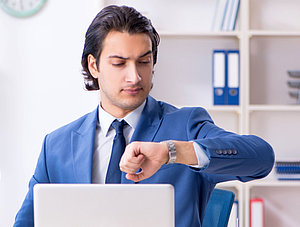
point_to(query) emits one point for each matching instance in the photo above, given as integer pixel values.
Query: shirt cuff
(203, 160)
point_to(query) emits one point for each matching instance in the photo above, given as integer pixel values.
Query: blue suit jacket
(67, 157)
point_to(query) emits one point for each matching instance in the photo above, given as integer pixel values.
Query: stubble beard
(127, 103)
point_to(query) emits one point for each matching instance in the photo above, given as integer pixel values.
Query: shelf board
(290, 108)
(230, 184)
(274, 33)
(224, 108)
(272, 183)
(198, 34)
(236, 34)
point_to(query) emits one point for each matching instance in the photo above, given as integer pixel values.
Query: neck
(117, 112)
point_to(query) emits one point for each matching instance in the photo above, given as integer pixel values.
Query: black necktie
(114, 173)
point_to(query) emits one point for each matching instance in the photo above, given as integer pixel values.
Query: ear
(93, 66)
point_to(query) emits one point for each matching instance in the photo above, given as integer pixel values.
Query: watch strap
(172, 151)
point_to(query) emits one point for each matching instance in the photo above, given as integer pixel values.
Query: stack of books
(287, 170)
(225, 16)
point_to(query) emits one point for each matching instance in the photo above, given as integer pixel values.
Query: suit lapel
(83, 139)
(149, 121)
(83, 148)
(147, 126)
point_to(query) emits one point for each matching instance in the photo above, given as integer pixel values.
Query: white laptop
(99, 205)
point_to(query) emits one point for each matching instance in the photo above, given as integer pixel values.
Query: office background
(41, 86)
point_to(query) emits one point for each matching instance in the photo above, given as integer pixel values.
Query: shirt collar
(105, 119)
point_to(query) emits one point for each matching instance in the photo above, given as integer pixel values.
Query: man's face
(125, 72)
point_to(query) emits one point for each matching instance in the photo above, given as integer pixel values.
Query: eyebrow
(143, 55)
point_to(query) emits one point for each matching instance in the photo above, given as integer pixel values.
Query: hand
(149, 156)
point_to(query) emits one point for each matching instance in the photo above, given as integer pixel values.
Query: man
(181, 147)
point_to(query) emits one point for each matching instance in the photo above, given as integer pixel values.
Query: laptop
(104, 205)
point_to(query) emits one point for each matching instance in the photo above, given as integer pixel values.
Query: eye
(144, 62)
(118, 64)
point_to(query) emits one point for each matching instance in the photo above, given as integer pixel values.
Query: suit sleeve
(231, 156)
(24, 217)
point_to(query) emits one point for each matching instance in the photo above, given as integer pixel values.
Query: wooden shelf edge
(290, 108)
(272, 183)
(236, 109)
(230, 184)
(278, 33)
(198, 34)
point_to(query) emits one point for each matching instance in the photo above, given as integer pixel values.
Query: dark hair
(117, 18)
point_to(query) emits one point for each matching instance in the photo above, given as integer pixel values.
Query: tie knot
(118, 126)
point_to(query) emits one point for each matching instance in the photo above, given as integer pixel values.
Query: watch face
(21, 8)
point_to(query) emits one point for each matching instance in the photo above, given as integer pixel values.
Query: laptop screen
(110, 205)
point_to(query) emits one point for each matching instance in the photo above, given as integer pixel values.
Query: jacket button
(219, 151)
(234, 152)
(229, 151)
(225, 152)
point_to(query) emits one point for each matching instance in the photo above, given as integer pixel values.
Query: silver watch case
(172, 151)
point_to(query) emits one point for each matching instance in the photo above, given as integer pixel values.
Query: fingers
(131, 164)
(145, 155)
(136, 177)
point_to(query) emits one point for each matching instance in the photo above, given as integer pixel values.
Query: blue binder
(233, 77)
(219, 80)
(226, 77)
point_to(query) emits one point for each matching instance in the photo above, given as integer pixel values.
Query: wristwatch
(172, 151)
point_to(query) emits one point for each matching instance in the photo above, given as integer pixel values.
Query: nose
(133, 75)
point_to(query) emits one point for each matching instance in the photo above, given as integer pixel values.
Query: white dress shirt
(104, 141)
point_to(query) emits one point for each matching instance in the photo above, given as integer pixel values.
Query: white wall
(41, 88)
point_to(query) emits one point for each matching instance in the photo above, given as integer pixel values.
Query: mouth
(132, 91)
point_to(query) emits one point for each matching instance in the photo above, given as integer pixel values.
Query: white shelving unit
(268, 37)
(238, 189)
(280, 209)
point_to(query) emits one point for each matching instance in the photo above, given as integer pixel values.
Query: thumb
(136, 177)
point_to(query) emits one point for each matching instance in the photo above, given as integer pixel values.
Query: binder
(219, 69)
(234, 215)
(226, 77)
(287, 167)
(288, 176)
(219, 15)
(234, 14)
(256, 212)
(228, 15)
(287, 170)
(225, 15)
(233, 77)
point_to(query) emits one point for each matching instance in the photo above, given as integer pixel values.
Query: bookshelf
(238, 189)
(268, 37)
(280, 209)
